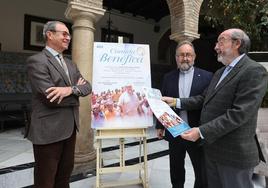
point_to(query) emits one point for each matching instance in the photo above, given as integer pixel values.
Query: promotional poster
(168, 118)
(120, 71)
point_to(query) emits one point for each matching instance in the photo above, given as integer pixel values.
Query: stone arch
(166, 49)
(163, 44)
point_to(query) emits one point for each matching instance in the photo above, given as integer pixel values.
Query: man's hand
(191, 135)
(81, 81)
(160, 133)
(169, 100)
(58, 93)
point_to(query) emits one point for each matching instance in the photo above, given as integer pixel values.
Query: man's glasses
(187, 55)
(223, 40)
(64, 33)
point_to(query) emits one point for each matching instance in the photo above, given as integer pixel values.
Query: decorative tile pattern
(13, 76)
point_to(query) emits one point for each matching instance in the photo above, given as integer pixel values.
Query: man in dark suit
(229, 114)
(184, 82)
(56, 86)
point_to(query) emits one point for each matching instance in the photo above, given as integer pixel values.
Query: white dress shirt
(185, 84)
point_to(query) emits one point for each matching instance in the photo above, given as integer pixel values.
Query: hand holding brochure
(169, 119)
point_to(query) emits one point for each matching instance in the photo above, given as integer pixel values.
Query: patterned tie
(64, 66)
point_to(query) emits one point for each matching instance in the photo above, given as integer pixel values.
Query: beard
(185, 65)
(224, 57)
(221, 59)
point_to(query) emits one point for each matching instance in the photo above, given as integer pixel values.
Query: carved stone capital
(184, 15)
(178, 37)
(90, 9)
(89, 3)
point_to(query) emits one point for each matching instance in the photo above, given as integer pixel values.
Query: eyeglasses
(64, 33)
(187, 55)
(222, 40)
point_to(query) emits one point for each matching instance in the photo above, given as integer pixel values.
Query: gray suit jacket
(229, 114)
(52, 122)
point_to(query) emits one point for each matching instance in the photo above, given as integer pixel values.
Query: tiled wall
(13, 77)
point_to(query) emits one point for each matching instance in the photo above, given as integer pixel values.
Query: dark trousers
(177, 152)
(54, 163)
(222, 176)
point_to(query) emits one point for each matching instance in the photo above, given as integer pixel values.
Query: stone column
(84, 14)
(184, 15)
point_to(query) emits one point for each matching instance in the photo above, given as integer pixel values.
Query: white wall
(142, 30)
(12, 23)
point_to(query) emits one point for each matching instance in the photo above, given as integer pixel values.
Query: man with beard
(129, 102)
(185, 81)
(229, 114)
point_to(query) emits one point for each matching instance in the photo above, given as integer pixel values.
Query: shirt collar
(236, 60)
(52, 51)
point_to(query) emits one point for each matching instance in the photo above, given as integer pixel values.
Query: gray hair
(185, 42)
(239, 34)
(50, 26)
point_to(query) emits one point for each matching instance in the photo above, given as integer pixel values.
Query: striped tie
(64, 66)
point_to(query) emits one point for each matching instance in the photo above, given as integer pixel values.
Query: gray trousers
(221, 176)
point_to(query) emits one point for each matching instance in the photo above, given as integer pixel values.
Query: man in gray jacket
(229, 114)
(56, 86)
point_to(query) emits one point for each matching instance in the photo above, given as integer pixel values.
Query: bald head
(238, 34)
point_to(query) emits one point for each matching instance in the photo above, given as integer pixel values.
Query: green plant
(249, 15)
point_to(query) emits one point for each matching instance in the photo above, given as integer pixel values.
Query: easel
(121, 133)
(141, 167)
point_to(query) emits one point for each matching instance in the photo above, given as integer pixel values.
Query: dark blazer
(52, 122)
(229, 114)
(201, 80)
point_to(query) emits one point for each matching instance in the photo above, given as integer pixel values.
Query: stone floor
(16, 161)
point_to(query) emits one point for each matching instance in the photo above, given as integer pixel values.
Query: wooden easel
(141, 167)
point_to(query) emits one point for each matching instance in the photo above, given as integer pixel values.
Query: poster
(120, 71)
(169, 119)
